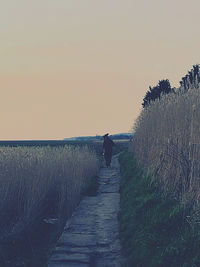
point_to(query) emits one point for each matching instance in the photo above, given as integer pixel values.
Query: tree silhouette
(163, 87)
(191, 79)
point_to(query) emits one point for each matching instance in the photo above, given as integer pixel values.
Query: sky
(82, 67)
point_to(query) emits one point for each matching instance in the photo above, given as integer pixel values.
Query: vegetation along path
(91, 236)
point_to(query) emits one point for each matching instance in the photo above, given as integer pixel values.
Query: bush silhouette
(163, 87)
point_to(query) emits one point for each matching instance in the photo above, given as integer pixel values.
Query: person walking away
(107, 149)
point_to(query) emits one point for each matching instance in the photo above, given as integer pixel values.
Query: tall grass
(167, 142)
(37, 183)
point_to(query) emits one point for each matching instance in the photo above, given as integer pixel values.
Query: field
(40, 187)
(94, 145)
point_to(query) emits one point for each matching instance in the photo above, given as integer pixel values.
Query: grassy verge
(154, 229)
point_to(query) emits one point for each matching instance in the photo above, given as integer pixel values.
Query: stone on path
(91, 235)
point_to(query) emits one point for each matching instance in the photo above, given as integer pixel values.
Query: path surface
(91, 236)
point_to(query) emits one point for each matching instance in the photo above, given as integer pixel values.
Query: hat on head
(106, 135)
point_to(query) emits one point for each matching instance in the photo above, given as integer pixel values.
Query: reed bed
(167, 143)
(39, 183)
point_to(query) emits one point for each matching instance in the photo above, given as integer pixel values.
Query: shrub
(157, 91)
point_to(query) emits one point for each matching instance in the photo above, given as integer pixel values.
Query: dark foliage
(192, 78)
(163, 87)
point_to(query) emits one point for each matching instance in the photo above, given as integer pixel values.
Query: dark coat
(107, 145)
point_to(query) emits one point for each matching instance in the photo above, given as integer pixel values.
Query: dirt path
(91, 236)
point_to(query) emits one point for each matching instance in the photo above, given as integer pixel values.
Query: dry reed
(167, 142)
(41, 181)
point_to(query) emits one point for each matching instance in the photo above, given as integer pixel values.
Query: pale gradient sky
(82, 67)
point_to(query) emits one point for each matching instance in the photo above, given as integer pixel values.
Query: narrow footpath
(91, 236)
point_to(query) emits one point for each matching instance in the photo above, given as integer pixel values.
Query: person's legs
(108, 159)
